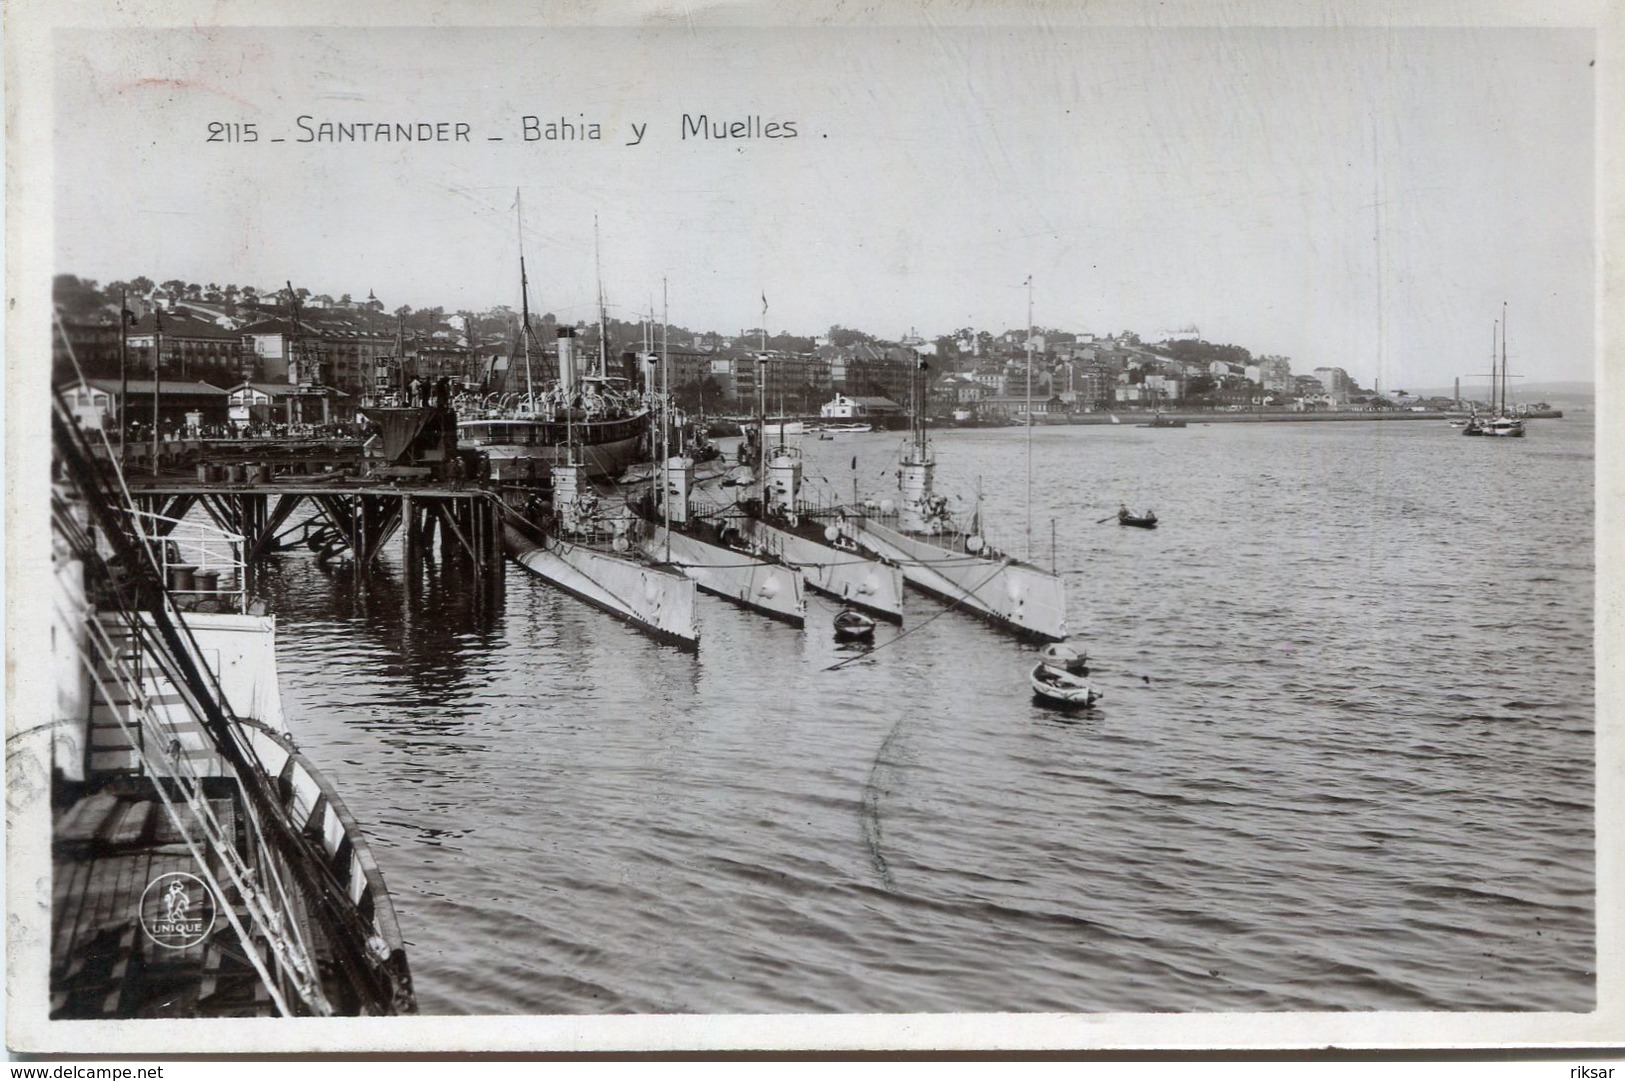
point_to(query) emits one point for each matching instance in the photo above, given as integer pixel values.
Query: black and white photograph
(939, 527)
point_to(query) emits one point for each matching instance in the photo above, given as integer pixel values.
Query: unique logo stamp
(177, 910)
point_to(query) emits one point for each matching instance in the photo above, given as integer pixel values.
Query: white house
(843, 407)
(91, 406)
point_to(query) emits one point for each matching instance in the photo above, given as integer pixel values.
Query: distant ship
(524, 436)
(585, 417)
(1503, 422)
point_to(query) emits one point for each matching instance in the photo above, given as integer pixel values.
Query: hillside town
(238, 352)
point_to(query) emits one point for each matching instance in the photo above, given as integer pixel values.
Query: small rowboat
(1148, 520)
(852, 625)
(1060, 689)
(1065, 656)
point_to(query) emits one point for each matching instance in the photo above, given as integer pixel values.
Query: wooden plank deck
(110, 848)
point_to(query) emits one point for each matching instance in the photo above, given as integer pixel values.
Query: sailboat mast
(1376, 235)
(1503, 358)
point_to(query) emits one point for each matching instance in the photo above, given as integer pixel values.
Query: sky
(1359, 197)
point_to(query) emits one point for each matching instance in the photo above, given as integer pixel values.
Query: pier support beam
(358, 522)
(412, 554)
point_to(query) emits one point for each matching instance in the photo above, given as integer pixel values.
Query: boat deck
(107, 848)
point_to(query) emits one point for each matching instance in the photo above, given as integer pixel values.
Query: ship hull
(845, 575)
(1007, 593)
(768, 588)
(652, 600)
(521, 449)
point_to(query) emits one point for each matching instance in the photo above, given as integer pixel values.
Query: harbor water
(1344, 761)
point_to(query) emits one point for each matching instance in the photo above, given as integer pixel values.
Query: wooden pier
(353, 518)
(346, 498)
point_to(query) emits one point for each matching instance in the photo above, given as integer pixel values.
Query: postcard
(931, 528)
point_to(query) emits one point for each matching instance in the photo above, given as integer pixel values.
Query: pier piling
(359, 515)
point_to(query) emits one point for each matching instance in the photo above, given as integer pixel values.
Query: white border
(29, 24)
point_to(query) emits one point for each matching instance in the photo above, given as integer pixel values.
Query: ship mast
(124, 375)
(665, 414)
(525, 332)
(916, 385)
(603, 316)
(1027, 554)
(157, 374)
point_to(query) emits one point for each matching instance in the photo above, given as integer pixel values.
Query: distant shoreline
(1144, 419)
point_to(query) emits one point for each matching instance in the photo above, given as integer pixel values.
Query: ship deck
(108, 847)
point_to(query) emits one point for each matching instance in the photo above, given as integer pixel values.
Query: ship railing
(126, 675)
(953, 535)
(164, 647)
(315, 807)
(202, 565)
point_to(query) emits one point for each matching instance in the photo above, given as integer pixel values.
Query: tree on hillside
(75, 297)
(789, 343)
(842, 336)
(1206, 352)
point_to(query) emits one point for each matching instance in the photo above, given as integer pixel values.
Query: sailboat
(952, 561)
(523, 434)
(1503, 421)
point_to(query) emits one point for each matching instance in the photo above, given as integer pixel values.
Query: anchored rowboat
(851, 624)
(1060, 689)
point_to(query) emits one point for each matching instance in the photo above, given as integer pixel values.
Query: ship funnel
(567, 361)
(679, 483)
